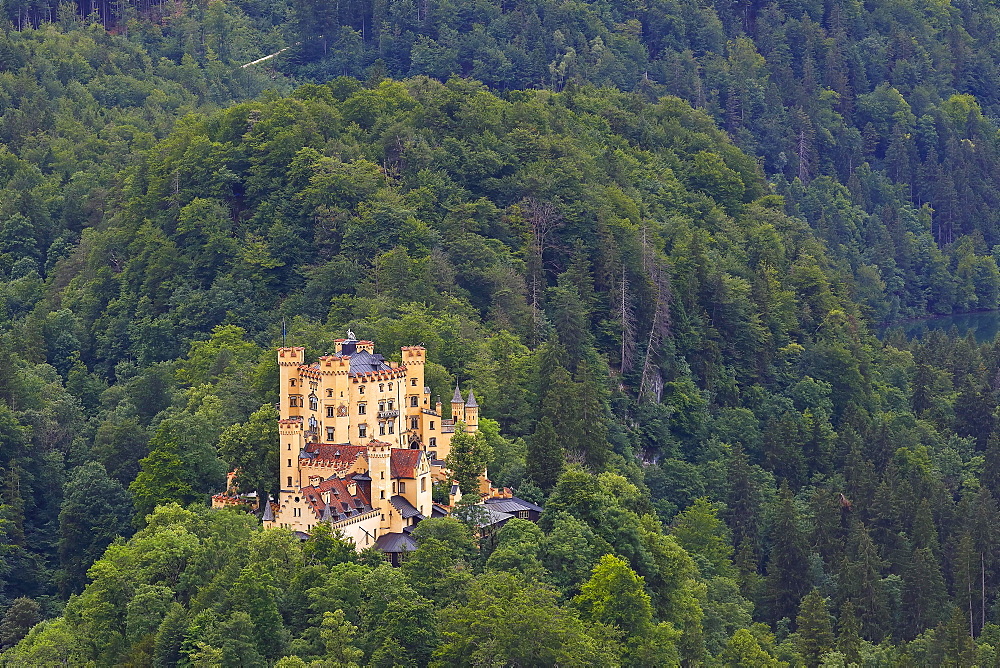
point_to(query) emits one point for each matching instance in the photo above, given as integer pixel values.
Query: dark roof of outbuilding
(396, 543)
(405, 508)
(513, 505)
(492, 516)
(437, 510)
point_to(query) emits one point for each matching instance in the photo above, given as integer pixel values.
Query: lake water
(985, 324)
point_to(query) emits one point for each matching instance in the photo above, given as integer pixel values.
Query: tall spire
(471, 403)
(457, 399)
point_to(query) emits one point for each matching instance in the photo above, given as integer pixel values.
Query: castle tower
(379, 471)
(471, 413)
(290, 441)
(290, 392)
(457, 406)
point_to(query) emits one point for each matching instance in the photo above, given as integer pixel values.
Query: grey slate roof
(471, 403)
(365, 362)
(396, 542)
(405, 508)
(457, 398)
(493, 516)
(513, 505)
(268, 513)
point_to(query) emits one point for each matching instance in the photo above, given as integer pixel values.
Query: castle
(361, 444)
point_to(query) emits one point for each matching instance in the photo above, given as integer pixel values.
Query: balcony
(388, 415)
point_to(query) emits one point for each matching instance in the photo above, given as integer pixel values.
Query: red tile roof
(341, 500)
(403, 463)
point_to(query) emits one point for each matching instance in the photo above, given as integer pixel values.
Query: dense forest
(654, 238)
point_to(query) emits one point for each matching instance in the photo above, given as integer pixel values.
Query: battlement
(292, 356)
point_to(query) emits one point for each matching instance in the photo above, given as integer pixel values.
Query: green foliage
(470, 453)
(664, 323)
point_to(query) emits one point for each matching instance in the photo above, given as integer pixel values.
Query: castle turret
(290, 441)
(471, 413)
(291, 401)
(379, 455)
(457, 406)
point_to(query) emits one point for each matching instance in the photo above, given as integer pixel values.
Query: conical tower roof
(457, 399)
(471, 403)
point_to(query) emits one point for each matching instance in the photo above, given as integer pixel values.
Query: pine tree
(849, 633)
(815, 631)
(22, 614)
(545, 455)
(787, 576)
(861, 582)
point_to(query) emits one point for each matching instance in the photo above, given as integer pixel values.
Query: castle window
(362, 430)
(381, 406)
(390, 387)
(329, 393)
(329, 434)
(362, 408)
(392, 427)
(361, 389)
(382, 496)
(390, 404)
(402, 487)
(414, 422)
(393, 488)
(413, 382)
(289, 481)
(289, 463)
(432, 441)
(423, 483)
(381, 428)
(381, 387)
(432, 424)
(291, 382)
(331, 411)
(413, 400)
(313, 403)
(381, 475)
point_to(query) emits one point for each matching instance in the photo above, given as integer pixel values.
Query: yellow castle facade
(361, 443)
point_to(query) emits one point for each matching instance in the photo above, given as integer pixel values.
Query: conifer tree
(787, 577)
(849, 633)
(22, 614)
(545, 459)
(815, 631)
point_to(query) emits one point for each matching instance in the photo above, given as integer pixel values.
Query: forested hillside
(661, 293)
